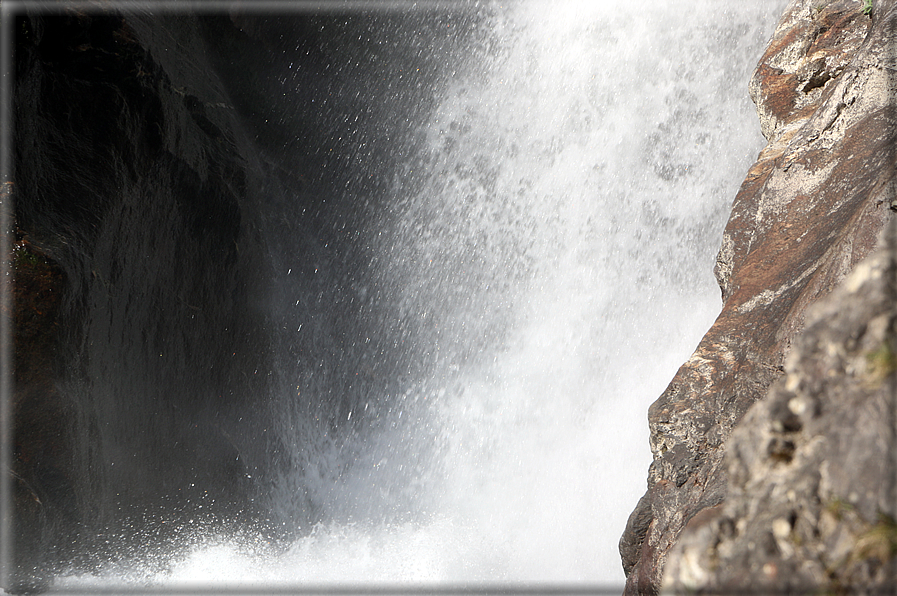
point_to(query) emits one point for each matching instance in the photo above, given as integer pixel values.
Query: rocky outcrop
(809, 210)
(812, 499)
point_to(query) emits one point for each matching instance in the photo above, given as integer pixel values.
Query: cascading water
(537, 265)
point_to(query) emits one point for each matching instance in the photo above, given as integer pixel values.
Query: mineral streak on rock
(809, 210)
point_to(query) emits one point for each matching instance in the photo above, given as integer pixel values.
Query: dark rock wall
(190, 192)
(140, 189)
(809, 210)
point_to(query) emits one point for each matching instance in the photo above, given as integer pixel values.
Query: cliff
(810, 209)
(138, 270)
(812, 468)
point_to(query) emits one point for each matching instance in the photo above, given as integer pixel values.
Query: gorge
(377, 296)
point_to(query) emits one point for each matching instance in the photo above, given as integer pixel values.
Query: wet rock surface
(809, 210)
(138, 269)
(41, 441)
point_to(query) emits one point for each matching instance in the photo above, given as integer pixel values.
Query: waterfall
(529, 269)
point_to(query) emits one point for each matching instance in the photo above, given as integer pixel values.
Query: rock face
(139, 269)
(809, 210)
(812, 468)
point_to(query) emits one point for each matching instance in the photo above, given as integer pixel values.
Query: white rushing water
(557, 240)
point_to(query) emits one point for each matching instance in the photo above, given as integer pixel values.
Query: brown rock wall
(809, 209)
(812, 499)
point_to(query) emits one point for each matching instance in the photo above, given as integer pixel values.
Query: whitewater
(553, 240)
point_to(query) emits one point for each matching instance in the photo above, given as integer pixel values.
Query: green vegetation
(867, 6)
(874, 546)
(878, 542)
(882, 362)
(22, 257)
(838, 507)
